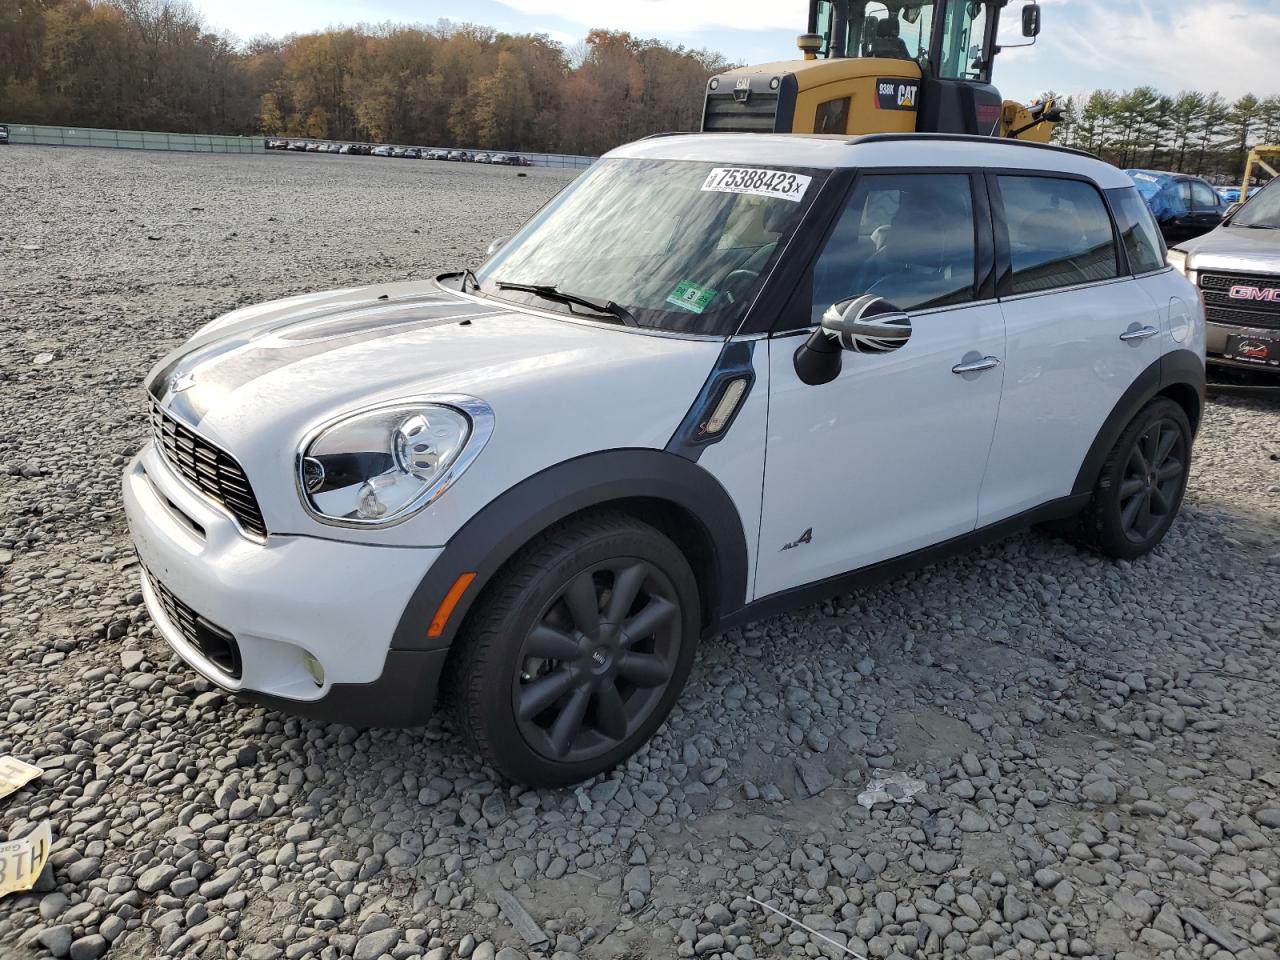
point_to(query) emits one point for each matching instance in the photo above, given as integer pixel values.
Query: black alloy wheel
(1141, 485)
(595, 664)
(576, 651)
(1154, 477)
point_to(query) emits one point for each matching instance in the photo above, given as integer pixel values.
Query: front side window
(906, 237)
(1204, 199)
(674, 245)
(1138, 231)
(1059, 233)
(964, 32)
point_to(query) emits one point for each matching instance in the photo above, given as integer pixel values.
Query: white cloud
(672, 16)
(1179, 44)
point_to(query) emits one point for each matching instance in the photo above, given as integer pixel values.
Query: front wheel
(1142, 483)
(577, 652)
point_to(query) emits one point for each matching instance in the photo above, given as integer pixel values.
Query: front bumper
(1216, 335)
(289, 604)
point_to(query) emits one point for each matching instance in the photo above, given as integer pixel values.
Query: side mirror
(495, 245)
(1031, 20)
(1232, 210)
(865, 324)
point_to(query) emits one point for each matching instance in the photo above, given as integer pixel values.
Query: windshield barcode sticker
(757, 182)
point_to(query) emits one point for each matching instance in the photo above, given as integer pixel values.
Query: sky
(1223, 45)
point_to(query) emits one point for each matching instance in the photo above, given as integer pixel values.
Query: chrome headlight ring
(400, 460)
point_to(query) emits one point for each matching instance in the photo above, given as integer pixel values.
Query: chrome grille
(216, 645)
(209, 469)
(1221, 307)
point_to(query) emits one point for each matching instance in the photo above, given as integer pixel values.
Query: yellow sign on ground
(15, 774)
(22, 860)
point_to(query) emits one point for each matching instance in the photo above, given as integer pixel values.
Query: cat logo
(897, 94)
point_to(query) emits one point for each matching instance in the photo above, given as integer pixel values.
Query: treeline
(155, 65)
(1191, 132)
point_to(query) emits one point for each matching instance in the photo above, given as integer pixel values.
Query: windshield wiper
(1256, 226)
(549, 291)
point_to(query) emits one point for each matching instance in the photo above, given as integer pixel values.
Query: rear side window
(1138, 230)
(832, 116)
(1059, 233)
(906, 237)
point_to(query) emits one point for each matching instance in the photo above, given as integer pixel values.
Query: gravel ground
(1100, 742)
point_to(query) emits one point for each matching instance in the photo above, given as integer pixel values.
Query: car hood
(257, 381)
(1235, 248)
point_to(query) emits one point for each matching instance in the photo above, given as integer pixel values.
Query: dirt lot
(1101, 742)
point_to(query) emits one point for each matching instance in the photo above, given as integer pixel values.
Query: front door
(888, 457)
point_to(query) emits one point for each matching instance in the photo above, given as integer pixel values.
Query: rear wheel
(577, 652)
(1142, 483)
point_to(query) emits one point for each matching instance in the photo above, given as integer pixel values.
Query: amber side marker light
(445, 610)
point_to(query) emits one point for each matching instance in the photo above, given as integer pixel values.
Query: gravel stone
(1097, 738)
(89, 948)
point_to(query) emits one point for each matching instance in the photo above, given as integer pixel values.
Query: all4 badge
(894, 94)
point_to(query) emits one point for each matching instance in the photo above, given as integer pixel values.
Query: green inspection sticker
(690, 296)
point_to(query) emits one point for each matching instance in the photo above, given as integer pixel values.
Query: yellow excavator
(884, 66)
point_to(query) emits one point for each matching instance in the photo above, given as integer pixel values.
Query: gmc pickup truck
(1237, 268)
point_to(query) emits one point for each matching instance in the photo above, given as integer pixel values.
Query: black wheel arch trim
(1176, 368)
(494, 534)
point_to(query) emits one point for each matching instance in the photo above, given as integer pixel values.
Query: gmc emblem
(1267, 295)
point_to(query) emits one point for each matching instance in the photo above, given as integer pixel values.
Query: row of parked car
(404, 153)
(1185, 206)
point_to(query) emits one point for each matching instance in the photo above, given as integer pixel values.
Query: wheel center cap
(601, 660)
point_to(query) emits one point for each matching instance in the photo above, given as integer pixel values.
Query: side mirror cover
(495, 245)
(1031, 20)
(866, 324)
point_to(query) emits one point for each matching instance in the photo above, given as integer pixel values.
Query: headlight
(1178, 260)
(382, 465)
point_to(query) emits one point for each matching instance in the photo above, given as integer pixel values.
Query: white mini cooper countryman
(716, 376)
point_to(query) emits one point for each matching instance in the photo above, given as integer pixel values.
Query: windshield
(902, 30)
(1262, 210)
(671, 245)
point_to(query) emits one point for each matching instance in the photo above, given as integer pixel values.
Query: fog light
(313, 668)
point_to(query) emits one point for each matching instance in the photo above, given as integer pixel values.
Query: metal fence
(537, 159)
(132, 139)
(210, 143)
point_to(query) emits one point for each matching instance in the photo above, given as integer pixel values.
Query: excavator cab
(883, 66)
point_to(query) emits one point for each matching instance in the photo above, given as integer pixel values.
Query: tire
(1142, 483)
(541, 694)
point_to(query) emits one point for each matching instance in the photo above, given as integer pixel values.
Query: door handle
(1142, 333)
(976, 366)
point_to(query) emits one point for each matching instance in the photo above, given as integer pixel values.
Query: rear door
(1080, 331)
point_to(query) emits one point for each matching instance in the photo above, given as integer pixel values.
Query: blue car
(1185, 207)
